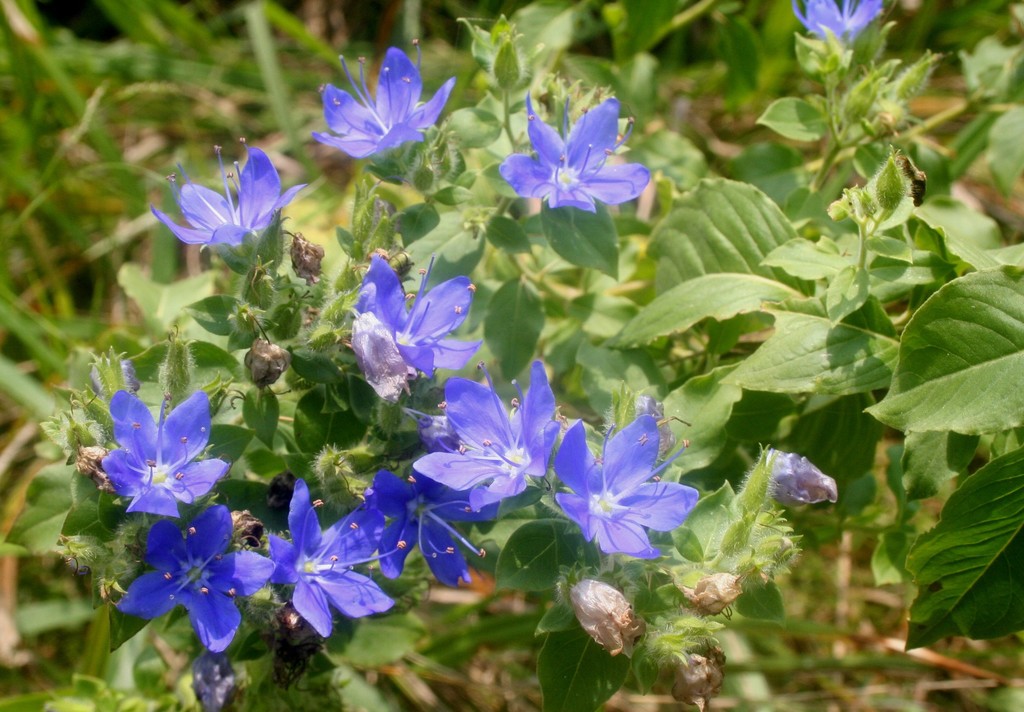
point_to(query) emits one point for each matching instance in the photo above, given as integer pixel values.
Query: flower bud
(266, 362)
(647, 405)
(213, 680)
(507, 67)
(176, 369)
(110, 375)
(607, 616)
(890, 186)
(714, 593)
(796, 481)
(306, 258)
(436, 433)
(246, 529)
(89, 462)
(259, 287)
(700, 678)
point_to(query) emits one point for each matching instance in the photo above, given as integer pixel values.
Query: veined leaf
(967, 567)
(961, 361)
(582, 238)
(576, 674)
(794, 118)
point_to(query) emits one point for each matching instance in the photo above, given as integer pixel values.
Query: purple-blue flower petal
(477, 414)
(546, 142)
(617, 184)
(661, 506)
(155, 500)
(630, 454)
(259, 190)
(398, 87)
(596, 131)
(425, 116)
(150, 595)
(133, 423)
(285, 557)
(197, 479)
(209, 533)
(574, 460)
(215, 618)
(165, 549)
(204, 208)
(311, 603)
(528, 177)
(302, 520)
(186, 430)
(353, 594)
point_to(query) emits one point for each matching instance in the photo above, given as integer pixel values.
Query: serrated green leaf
(582, 238)
(970, 235)
(932, 458)
(532, 555)
(720, 226)
(807, 354)
(576, 674)
(961, 360)
(512, 325)
(719, 296)
(967, 567)
(794, 118)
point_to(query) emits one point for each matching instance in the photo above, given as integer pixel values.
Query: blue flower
(843, 18)
(795, 480)
(572, 169)
(436, 433)
(196, 573)
(215, 218)
(420, 509)
(156, 464)
(614, 499)
(499, 449)
(320, 563)
(366, 126)
(391, 342)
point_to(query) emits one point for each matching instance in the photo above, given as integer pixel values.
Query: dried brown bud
(266, 362)
(607, 616)
(714, 593)
(248, 530)
(293, 643)
(306, 257)
(89, 462)
(700, 679)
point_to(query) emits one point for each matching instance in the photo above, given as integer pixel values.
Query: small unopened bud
(795, 480)
(213, 680)
(507, 66)
(89, 462)
(607, 616)
(436, 433)
(247, 529)
(714, 593)
(177, 368)
(700, 678)
(306, 258)
(890, 186)
(266, 362)
(647, 405)
(279, 493)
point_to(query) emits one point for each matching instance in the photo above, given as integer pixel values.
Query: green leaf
(417, 220)
(512, 325)
(761, 601)
(316, 366)
(582, 238)
(932, 458)
(380, 641)
(889, 560)
(794, 118)
(507, 234)
(846, 293)
(315, 426)
(807, 354)
(474, 127)
(576, 674)
(228, 442)
(532, 555)
(260, 410)
(706, 403)
(699, 537)
(837, 435)
(214, 313)
(161, 305)
(560, 616)
(970, 235)
(808, 260)
(720, 296)
(457, 249)
(46, 507)
(967, 568)
(1006, 150)
(604, 371)
(720, 226)
(961, 360)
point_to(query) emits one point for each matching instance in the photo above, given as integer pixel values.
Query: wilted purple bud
(648, 405)
(700, 678)
(378, 356)
(714, 593)
(266, 362)
(213, 680)
(796, 481)
(131, 381)
(435, 431)
(607, 616)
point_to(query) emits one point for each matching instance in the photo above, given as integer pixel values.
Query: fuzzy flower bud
(714, 593)
(795, 480)
(266, 362)
(507, 67)
(607, 616)
(177, 368)
(890, 186)
(213, 680)
(306, 258)
(700, 678)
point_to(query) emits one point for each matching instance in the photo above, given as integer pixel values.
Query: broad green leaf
(161, 305)
(739, 48)
(970, 235)
(711, 295)
(699, 537)
(260, 410)
(794, 118)
(846, 293)
(582, 238)
(507, 234)
(46, 507)
(316, 366)
(837, 435)
(775, 168)
(576, 674)
(808, 260)
(932, 458)
(961, 360)
(474, 127)
(604, 371)
(761, 601)
(228, 442)
(1006, 150)
(757, 414)
(705, 402)
(457, 250)
(807, 354)
(214, 313)
(532, 555)
(672, 155)
(560, 616)
(380, 641)
(720, 226)
(967, 569)
(316, 425)
(889, 560)
(512, 325)
(417, 220)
